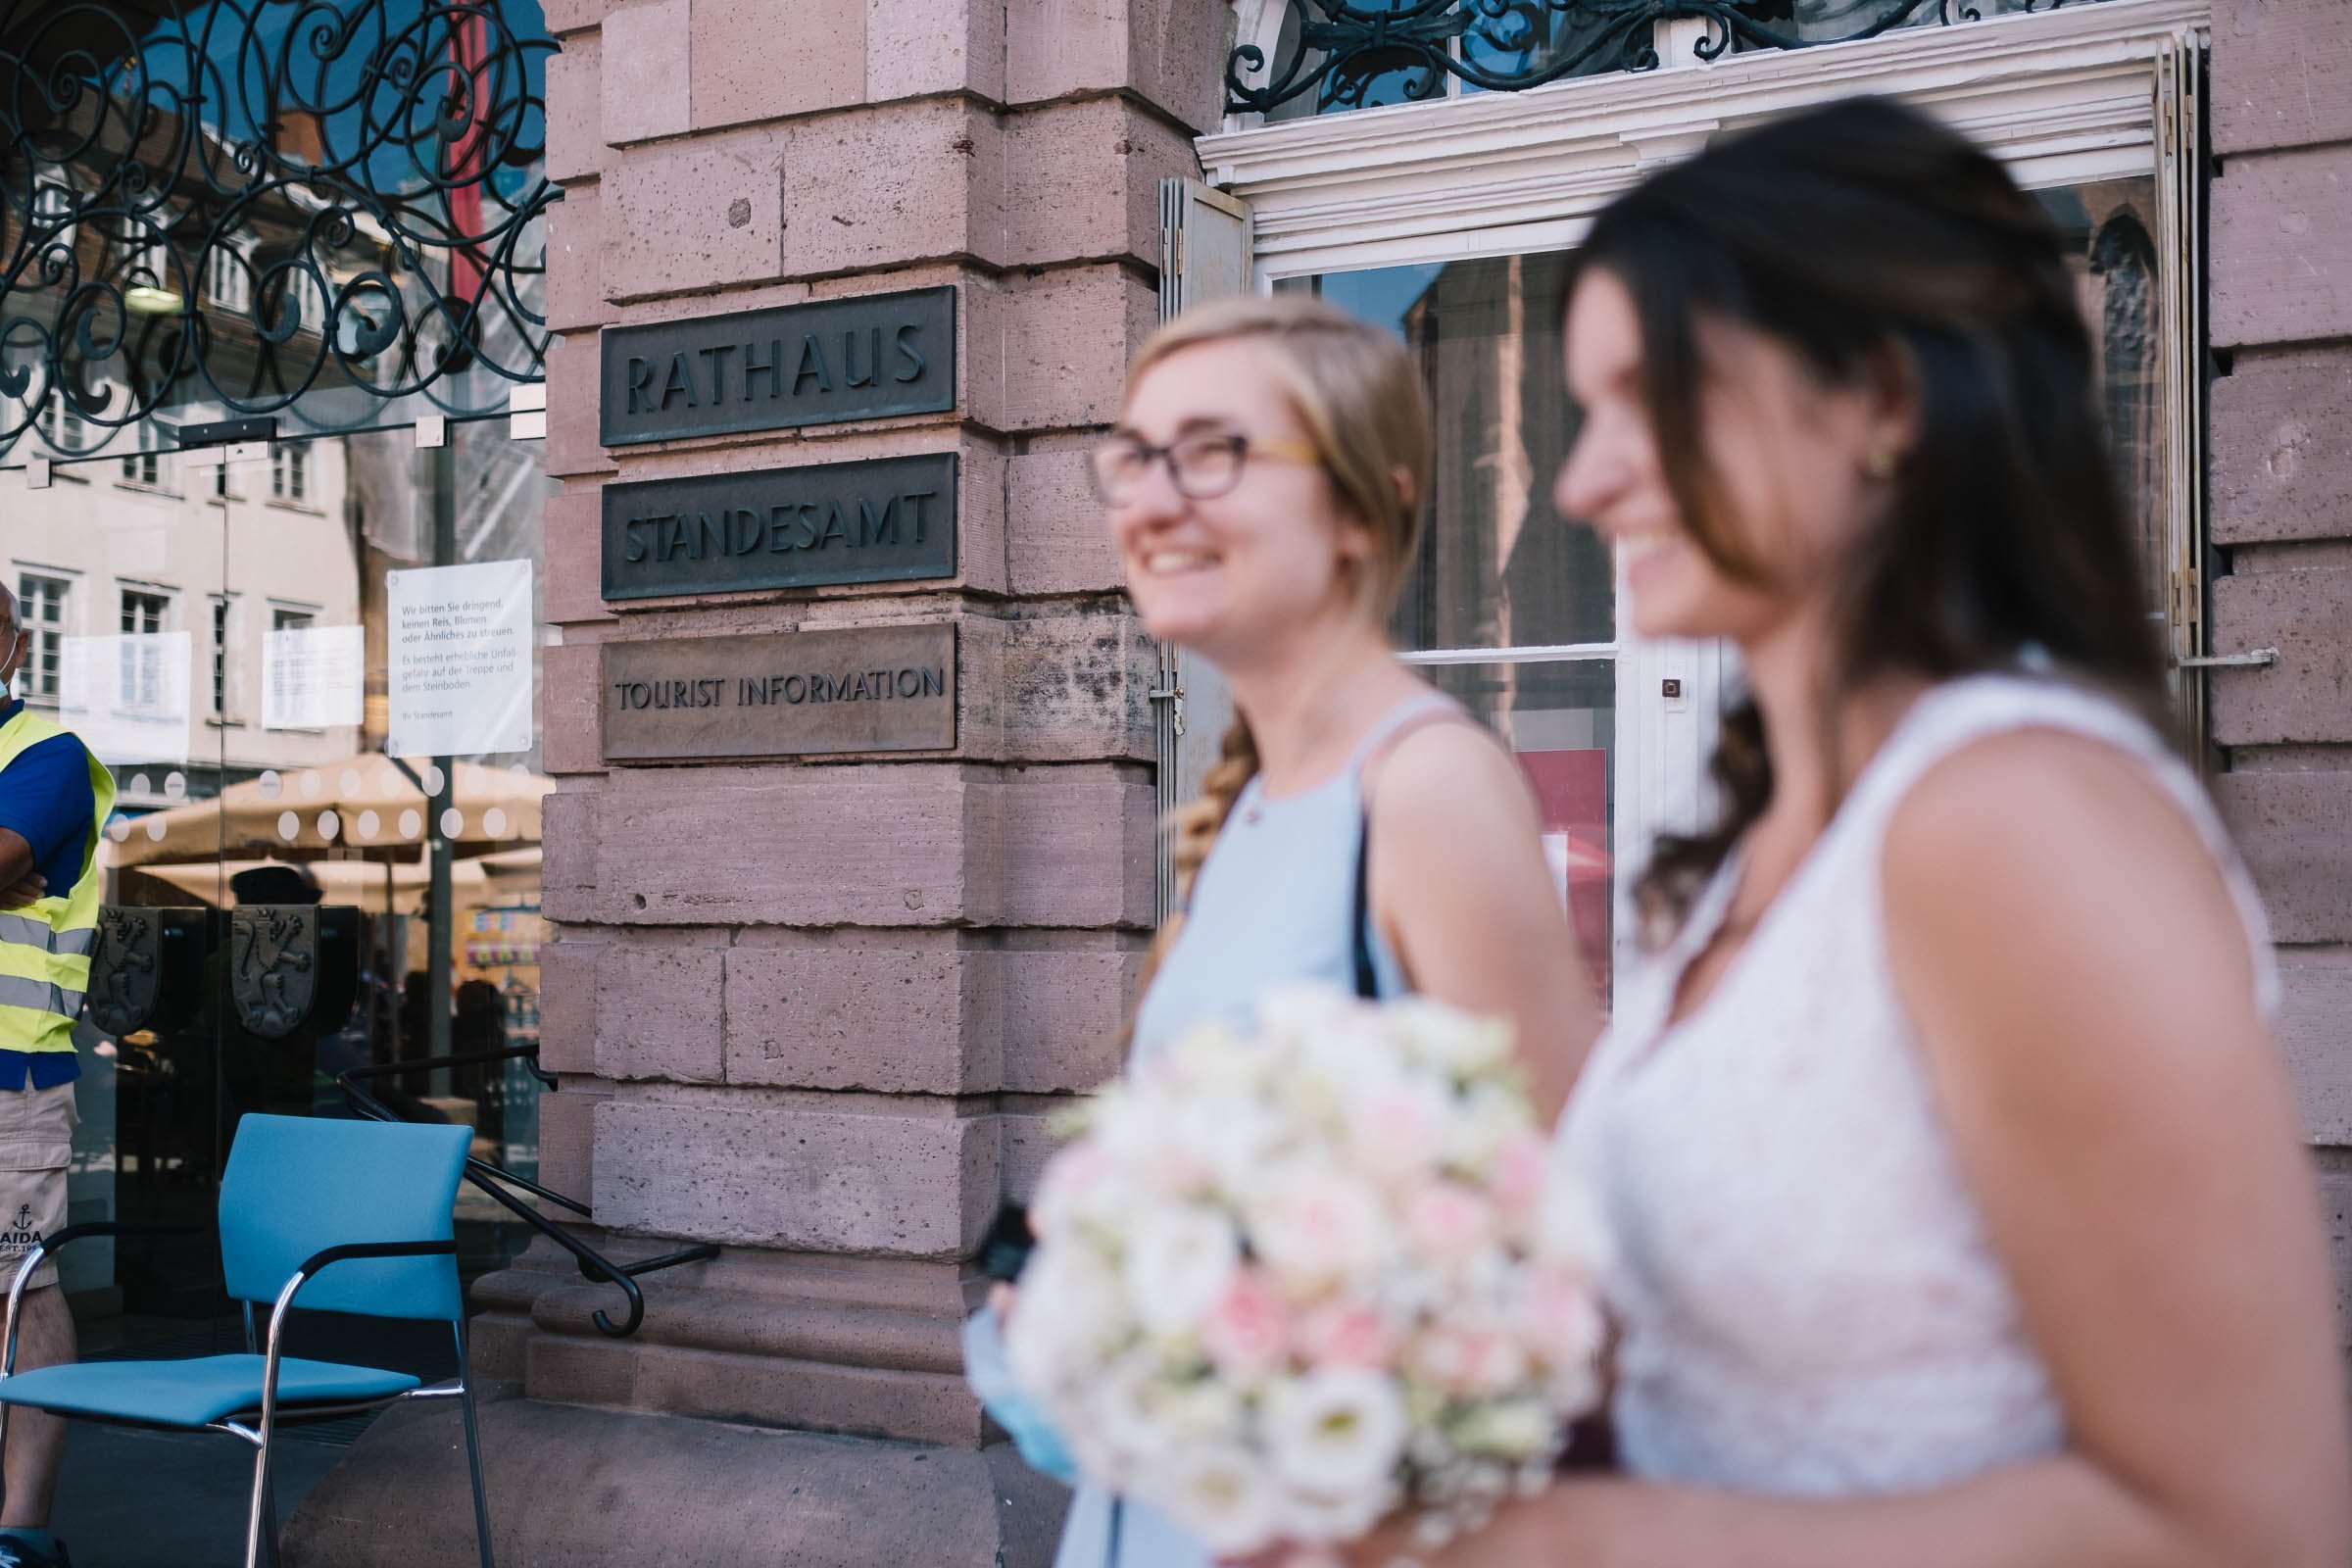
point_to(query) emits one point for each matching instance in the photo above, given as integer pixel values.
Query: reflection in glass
(1498, 566)
(2109, 228)
(1559, 720)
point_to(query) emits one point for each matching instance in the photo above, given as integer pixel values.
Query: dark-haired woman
(1962, 1208)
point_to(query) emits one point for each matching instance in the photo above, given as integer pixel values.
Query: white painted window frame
(2090, 92)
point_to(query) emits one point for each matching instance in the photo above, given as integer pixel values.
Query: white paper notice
(314, 678)
(126, 697)
(460, 667)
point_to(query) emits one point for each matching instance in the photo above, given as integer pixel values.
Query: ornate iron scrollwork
(1340, 49)
(260, 207)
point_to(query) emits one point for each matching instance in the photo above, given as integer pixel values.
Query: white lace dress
(1808, 1302)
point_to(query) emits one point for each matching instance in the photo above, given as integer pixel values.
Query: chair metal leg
(473, 1447)
(270, 1522)
(261, 1517)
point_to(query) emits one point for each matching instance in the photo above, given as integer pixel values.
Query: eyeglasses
(1201, 467)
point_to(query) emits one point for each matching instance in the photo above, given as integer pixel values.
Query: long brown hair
(1358, 395)
(1846, 234)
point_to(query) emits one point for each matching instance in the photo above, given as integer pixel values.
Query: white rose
(1222, 1495)
(1069, 1312)
(1449, 1038)
(1119, 1422)
(1336, 1433)
(1179, 1261)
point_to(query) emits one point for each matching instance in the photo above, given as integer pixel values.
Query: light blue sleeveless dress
(1273, 904)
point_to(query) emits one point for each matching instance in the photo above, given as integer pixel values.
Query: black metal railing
(253, 208)
(1353, 53)
(496, 1182)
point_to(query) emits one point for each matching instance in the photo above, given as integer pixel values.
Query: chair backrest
(298, 1185)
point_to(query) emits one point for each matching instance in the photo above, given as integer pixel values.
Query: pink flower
(1521, 1171)
(1247, 1332)
(1066, 1184)
(1448, 1222)
(1559, 1317)
(1396, 1133)
(1346, 1334)
(1469, 1360)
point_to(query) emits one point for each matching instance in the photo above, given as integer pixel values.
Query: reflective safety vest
(45, 945)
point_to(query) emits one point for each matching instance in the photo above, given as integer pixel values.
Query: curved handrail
(494, 1181)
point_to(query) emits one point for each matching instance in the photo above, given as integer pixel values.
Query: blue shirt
(46, 800)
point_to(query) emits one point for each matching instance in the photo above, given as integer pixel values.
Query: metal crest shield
(274, 966)
(127, 970)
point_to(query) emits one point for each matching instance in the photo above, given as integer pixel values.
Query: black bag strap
(1367, 978)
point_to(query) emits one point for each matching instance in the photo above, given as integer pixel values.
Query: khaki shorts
(37, 1143)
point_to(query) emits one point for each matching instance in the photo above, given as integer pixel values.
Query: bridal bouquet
(1290, 1280)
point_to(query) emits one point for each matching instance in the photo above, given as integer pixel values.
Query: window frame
(44, 654)
(290, 473)
(2064, 98)
(223, 606)
(143, 672)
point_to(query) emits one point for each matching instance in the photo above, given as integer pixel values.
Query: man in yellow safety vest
(55, 798)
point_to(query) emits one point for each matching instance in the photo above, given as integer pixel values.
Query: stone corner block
(918, 47)
(1056, 537)
(645, 77)
(1169, 52)
(2291, 829)
(1083, 181)
(2315, 1031)
(887, 1185)
(2282, 75)
(906, 1016)
(658, 1012)
(575, 115)
(572, 709)
(699, 215)
(2280, 252)
(765, 62)
(893, 186)
(2307, 615)
(1051, 352)
(2281, 447)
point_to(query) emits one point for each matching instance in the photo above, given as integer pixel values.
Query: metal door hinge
(1173, 695)
(2259, 659)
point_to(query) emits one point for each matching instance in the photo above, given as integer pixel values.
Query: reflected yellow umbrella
(358, 884)
(361, 802)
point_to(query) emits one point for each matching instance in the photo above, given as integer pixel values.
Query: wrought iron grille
(1348, 51)
(327, 209)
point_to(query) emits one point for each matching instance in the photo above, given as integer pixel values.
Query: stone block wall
(813, 1010)
(2281, 324)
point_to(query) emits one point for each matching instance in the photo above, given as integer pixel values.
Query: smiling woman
(1264, 487)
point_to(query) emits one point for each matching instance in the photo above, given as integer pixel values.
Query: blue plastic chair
(350, 1216)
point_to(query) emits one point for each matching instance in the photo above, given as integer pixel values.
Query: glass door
(1511, 607)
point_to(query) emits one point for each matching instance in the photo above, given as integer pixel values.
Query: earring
(1880, 462)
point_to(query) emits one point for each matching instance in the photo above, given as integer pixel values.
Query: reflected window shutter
(1205, 253)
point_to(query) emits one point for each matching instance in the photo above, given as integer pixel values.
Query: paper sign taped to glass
(460, 659)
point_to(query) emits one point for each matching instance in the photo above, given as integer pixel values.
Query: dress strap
(1395, 721)
(1959, 713)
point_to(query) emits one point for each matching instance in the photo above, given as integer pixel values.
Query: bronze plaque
(882, 519)
(862, 357)
(781, 694)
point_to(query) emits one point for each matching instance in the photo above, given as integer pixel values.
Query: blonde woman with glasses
(1263, 487)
